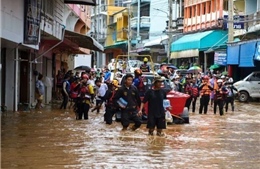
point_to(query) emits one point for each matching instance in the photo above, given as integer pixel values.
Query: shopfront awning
(247, 53)
(233, 54)
(84, 41)
(156, 42)
(82, 2)
(122, 44)
(201, 41)
(185, 54)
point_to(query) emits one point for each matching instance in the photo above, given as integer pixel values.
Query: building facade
(204, 35)
(44, 44)
(243, 56)
(99, 29)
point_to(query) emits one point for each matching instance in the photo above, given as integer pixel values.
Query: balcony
(144, 22)
(141, 1)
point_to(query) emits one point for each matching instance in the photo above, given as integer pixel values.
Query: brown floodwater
(53, 139)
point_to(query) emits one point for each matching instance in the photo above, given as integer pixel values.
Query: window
(213, 6)
(48, 6)
(203, 12)
(255, 77)
(225, 5)
(198, 10)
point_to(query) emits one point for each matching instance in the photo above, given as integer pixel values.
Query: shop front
(243, 58)
(198, 48)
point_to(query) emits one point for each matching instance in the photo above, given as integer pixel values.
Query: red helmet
(84, 76)
(138, 72)
(206, 78)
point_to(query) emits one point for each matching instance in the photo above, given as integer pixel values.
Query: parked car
(249, 87)
(148, 81)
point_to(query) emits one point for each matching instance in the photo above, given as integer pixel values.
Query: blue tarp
(247, 53)
(233, 53)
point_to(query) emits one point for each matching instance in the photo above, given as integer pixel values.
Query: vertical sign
(32, 21)
(220, 58)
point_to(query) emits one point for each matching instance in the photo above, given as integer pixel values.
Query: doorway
(3, 75)
(24, 77)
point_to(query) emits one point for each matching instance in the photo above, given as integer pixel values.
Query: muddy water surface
(53, 139)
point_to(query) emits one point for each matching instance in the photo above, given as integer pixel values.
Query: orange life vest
(205, 90)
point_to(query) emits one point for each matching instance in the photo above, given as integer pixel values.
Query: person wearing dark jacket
(156, 110)
(110, 106)
(127, 98)
(230, 96)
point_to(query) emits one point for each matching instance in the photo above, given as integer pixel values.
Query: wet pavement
(52, 138)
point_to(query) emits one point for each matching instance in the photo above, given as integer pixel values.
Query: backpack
(195, 92)
(141, 86)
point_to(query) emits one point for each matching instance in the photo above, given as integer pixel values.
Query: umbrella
(215, 66)
(171, 66)
(194, 69)
(224, 73)
(86, 68)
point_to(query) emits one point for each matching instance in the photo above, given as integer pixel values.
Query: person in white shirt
(101, 89)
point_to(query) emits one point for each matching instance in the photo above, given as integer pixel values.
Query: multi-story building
(117, 29)
(243, 57)
(99, 29)
(39, 38)
(158, 40)
(204, 34)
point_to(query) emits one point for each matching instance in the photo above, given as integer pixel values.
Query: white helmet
(219, 81)
(222, 77)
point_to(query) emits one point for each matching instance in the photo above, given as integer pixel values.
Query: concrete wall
(251, 6)
(10, 86)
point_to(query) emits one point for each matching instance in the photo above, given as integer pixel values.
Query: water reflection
(54, 139)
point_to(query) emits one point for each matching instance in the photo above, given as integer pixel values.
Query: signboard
(220, 58)
(238, 22)
(257, 51)
(32, 21)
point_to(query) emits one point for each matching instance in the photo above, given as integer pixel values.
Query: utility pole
(95, 35)
(230, 21)
(138, 38)
(129, 32)
(169, 31)
(230, 28)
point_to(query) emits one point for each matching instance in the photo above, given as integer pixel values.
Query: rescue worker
(188, 90)
(144, 67)
(220, 94)
(205, 89)
(110, 106)
(85, 98)
(156, 110)
(127, 98)
(195, 94)
(139, 82)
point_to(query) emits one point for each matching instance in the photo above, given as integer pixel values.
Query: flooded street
(54, 139)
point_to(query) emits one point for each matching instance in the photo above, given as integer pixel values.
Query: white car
(249, 87)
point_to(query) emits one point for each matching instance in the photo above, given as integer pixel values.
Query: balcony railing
(142, 1)
(144, 22)
(254, 18)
